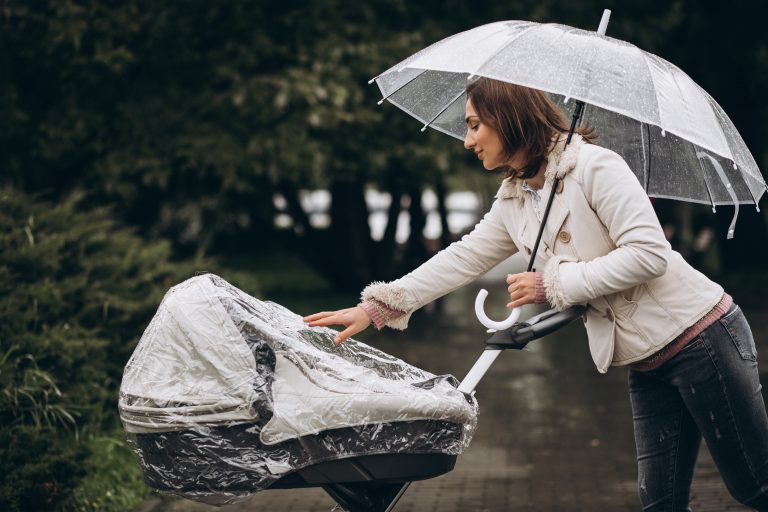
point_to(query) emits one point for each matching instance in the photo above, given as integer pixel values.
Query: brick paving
(553, 435)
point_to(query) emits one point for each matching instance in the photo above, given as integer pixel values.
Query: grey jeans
(711, 389)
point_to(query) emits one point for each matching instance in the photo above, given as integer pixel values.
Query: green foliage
(40, 467)
(77, 289)
(112, 482)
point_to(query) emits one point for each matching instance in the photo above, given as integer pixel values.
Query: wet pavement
(553, 433)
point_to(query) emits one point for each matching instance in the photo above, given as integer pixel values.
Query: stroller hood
(214, 357)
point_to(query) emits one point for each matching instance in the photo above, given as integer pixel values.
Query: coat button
(564, 237)
(560, 186)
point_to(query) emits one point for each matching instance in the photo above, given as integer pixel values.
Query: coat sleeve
(641, 250)
(464, 261)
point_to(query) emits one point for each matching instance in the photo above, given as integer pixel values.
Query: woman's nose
(468, 141)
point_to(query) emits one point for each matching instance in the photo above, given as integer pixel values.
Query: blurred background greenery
(142, 141)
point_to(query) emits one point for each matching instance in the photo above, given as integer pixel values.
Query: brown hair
(526, 119)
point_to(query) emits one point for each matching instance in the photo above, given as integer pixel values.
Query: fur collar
(560, 161)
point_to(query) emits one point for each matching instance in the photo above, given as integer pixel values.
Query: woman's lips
(479, 153)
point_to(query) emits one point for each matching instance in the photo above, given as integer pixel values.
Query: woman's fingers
(327, 321)
(521, 289)
(353, 319)
(346, 333)
(317, 316)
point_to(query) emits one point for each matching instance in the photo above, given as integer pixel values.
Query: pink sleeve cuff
(379, 313)
(539, 293)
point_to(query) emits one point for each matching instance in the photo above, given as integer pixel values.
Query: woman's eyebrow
(466, 120)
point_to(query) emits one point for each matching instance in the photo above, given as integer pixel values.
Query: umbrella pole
(574, 121)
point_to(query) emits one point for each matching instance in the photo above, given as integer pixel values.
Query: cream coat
(602, 246)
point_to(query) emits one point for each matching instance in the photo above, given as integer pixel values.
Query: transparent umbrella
(674, 136)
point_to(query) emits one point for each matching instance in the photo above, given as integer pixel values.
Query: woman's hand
(521, 289)
(354, 319)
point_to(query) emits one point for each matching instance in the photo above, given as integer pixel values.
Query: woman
(690, 352)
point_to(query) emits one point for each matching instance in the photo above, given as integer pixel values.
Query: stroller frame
(375, 483)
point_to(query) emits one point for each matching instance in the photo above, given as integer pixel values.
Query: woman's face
(485, 142)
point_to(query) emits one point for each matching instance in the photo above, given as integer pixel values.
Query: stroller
(226, 395)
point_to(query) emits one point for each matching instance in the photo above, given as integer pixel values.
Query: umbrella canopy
(675, 137)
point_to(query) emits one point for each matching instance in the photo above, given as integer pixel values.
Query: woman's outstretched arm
(460, 263)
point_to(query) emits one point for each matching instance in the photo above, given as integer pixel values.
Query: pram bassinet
(226, 395)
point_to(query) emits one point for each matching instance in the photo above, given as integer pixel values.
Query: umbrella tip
(371, 81)
(380, 101)
(604, 22)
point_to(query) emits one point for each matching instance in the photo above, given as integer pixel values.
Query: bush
(77, 289)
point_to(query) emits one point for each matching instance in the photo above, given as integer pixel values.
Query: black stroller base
(371, 470)
(368, 483)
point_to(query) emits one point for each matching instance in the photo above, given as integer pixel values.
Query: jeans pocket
(738, 329)
(693, 344)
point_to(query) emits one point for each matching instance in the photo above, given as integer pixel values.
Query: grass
(113, 481)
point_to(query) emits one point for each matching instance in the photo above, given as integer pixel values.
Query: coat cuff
(553, 286)
(379, 313)
(393, 297)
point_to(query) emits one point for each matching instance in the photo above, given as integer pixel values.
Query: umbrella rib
(728, 188)
(648, 155)
(399, 66)
(399, 88)
(749, 189)
(742, 170)
(706, 184)
(461, 92)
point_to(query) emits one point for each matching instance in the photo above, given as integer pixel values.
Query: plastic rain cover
(225, 395)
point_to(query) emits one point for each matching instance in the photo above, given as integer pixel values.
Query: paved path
(554, 435)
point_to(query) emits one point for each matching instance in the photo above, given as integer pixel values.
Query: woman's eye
(475, 127)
